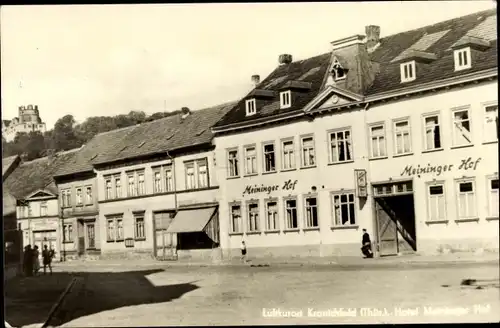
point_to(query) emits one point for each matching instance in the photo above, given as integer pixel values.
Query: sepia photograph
(228, 164)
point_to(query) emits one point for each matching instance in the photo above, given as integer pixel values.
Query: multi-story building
(32, 186)
(28, 120)
(397, 135)
(157, 188)
(78, 195)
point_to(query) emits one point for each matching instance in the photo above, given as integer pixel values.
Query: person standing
(28, 261)
(366, 243)
(243, 251)
(47, 256)
(36, 260)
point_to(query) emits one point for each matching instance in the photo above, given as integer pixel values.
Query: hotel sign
(288, 185)
(465, 164)
(361, 183)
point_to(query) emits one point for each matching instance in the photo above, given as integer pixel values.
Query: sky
(96, 60)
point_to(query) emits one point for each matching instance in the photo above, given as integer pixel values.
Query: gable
(335, 100)
(333, 97)
(41, 194)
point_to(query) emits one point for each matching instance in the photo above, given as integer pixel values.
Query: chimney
(372, 36)
(255, 80)
(285, 59)
(185, 112)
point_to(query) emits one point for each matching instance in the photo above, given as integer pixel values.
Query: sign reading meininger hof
(288, 185)
(361, 183)
(465, 164)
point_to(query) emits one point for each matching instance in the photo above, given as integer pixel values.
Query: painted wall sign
(361, 183)
(465, 164)
(288, 185)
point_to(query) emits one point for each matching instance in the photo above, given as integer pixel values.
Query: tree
(64, 136)
(35, 147)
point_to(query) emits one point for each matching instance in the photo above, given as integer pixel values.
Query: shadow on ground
(102, 291)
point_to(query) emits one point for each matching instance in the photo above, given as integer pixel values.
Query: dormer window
(285, 99)
(251, 107)
(337, 71)
(408, 72)
(462, 59)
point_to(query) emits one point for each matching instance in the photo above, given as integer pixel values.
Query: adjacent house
(157, 188)
(397, 135)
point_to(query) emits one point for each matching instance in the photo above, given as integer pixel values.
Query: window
(90, 235)
(402, 137)
(311, 212)
(118, 186)
(343, 209)
(432, 138)
(338, 73)
(79, 199)
(250, 160)
(202, 173)
(288, 156)
(340, 146)
(461, 128)
(68, 232)
(251, 107)
(462, 59)
(466, 199)
(232, 157)
(140, 232)
(493, 198)
(272, 216)
(190, 178)
(43, 209)
(408, 72)
(30, 210)
(269, 158)
(436, 202)
(291, 214)
(131, 191)
(157, 182)
(88, 195)
(253, 217)
(169, 181)
(141, 188)
(377, 136)
(285, 99)
(66, 197)
(109, 188)
(491, 130)
(236, 224)
(308, 154)
(114, 228)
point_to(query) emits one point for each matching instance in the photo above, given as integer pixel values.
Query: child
(366, 247)
(243, 251)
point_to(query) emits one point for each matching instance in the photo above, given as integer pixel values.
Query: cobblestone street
(228, 295)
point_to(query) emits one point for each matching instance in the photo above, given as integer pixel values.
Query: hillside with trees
(67, 134)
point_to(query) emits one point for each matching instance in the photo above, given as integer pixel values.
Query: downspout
(174, 176)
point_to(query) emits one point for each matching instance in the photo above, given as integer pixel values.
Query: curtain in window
(236, 215)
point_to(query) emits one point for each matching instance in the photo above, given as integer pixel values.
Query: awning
(193, 220)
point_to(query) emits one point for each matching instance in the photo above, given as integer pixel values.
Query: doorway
(165, 243)
(395, 218)
(46, 237)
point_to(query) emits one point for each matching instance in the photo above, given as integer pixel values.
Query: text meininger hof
(336, 312)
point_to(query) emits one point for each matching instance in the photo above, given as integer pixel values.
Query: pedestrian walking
(28, 261)
(47, 255)
(366, 245)
(36, 260)
(243, 251)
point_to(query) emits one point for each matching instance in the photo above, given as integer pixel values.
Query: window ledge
(291, 230)
(79, 205)
(270, 172)
(432, 150)
(233, 177)
(236, 233)
(91, 249)
(110, 241)
(119, 240)
(311, 229)
(402, 155)
(436, 221)
(68, 242)
(341, 162)
(253, 232)
(490, 142)
(140, 239)
(250, 175)
(467, 220)
(462, 146)
(377, 158)
(308, 167)
(271, 231)
(354, 227)
(492, 218)
(288, 170)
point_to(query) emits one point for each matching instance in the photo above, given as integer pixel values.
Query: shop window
(343, 209)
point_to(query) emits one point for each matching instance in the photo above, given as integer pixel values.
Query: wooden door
(387, 232)
(164, 243)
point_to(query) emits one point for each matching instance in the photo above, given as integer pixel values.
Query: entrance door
(387, 232)
(41, 238)
(90, 234)
(81, 237)
(164, 242)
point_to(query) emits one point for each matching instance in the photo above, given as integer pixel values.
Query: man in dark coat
(366, 243)
(28, 261)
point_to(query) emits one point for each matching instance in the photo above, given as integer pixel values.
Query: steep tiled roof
(436, 39)
(7, 164)
(37, 174)
(312, 70)
(102, 143)
(166, 134)
(8, 203)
